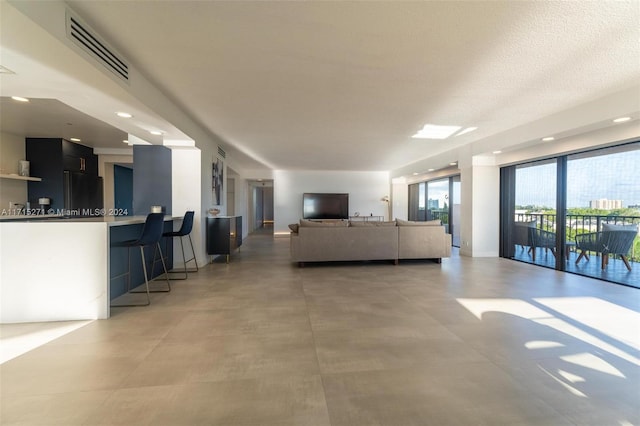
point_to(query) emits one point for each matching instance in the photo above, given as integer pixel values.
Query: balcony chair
(613, 239)
(522, 234)
(543, 239)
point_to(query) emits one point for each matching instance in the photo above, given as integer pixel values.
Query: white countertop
(24, 217)
(109, 220)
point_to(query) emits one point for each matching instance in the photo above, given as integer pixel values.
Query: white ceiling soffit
(50, 118)
(45, 69)
(344, 85)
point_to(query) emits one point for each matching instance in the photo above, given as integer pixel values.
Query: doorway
(261, 207)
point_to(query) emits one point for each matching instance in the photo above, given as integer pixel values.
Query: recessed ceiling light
(548, 139)
(19, 99)
(75, 140)
(430, 170)
(621, 119)
(453, 163)
(156, 132)
(467, 130)
(124, 114)
(497, 152)
(434, 131)
(416, 173)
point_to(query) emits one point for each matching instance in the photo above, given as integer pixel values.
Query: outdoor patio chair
(522, 234)
(614, 239)
(543, 239)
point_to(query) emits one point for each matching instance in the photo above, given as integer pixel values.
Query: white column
(479, 228)
(186, 195)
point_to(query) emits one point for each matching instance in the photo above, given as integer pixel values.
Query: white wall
(479, 206)
(12, 150)
(186, 195)
(400, 199)
(365, 190)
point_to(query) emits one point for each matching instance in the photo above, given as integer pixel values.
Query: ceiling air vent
(93, 45)
(222, 153)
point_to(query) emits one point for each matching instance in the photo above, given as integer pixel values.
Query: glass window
(438, 201)
(534, 230)
(603, 189)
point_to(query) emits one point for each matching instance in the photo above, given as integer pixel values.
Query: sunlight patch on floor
(18, 339)
(621, 324)
(613, 320)
(542, 344)
(592, 362)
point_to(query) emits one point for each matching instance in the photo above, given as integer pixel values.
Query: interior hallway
(260, 341)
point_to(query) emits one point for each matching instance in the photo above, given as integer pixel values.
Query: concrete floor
(260, 341)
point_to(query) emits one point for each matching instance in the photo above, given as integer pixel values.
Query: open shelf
(18, 177)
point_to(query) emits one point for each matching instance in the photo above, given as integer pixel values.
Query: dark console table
(224, 234)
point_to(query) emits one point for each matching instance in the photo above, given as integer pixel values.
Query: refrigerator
(83, 194)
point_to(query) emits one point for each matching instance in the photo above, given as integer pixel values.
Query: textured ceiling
(344, 85)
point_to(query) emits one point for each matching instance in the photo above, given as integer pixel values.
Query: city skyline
(612, 176)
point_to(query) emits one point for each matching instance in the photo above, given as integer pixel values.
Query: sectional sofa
(330, 241)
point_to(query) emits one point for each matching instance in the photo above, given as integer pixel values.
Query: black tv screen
(325, 206)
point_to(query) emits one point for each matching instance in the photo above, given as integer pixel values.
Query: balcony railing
(581, 224)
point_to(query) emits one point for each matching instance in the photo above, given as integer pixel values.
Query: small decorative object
(213, 212)
(23, 168)
(356, 214)
(156, 209)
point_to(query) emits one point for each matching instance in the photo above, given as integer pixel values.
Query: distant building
(604, 204)
(433, 204)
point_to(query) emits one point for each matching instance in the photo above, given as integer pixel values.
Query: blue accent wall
(123, 189)
(151, 178)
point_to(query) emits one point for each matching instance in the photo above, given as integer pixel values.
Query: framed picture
(217, 181)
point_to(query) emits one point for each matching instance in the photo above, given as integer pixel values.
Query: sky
(613, 176)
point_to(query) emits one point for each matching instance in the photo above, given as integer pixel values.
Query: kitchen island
(59, 269)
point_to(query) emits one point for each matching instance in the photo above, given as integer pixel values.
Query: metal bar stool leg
(128, 274)
(156, 249)
(194, 254)
(146, 277)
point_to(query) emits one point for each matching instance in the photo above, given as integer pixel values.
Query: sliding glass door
(578, 213)
(437, 200)
(534, 224)
(603, 200)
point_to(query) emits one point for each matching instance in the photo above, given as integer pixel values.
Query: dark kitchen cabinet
(49, 158)
(224, 234)
(79, 158)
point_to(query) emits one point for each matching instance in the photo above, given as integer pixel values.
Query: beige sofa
(344, 241)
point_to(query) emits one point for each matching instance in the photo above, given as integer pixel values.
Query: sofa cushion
(359, 223)
(325, 224)
(401, 222)
(294, 227)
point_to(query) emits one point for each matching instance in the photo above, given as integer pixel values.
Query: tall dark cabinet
(224, 234)
(49, 159)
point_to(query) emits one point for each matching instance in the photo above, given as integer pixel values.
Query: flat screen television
(325, 206)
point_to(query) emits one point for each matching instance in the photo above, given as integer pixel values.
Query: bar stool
(150, 236)
(185, 231)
